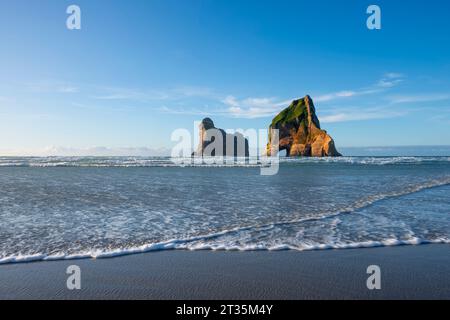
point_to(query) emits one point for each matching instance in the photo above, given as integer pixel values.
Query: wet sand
(407, 272)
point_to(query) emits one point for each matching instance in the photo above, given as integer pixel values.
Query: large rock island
(300, 133)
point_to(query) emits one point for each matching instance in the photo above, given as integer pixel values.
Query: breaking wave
(184, 245)
(189, 162)
(206, 242)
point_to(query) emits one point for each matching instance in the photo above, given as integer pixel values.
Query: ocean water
(62, 208)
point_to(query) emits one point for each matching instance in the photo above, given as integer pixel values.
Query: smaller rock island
(216, 142)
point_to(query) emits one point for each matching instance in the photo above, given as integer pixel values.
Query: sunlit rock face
(300, 133)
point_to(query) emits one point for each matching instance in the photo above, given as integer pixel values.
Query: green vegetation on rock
(296, 111)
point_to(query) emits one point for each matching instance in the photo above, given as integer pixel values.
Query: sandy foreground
(407, 272)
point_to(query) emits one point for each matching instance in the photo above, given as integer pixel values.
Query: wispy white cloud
(233, 109)
(224, 105)
(148, 95)
(442, 118)
(188, 111)
(356, 114)
(191, 91)
(250, 113)
(390, 80)
(68, 89)
(334, 95)
(267, 106)
(52, 87)
(231, 101)
(418, 98)
(115, 93)
(178, 98)
(252, 107)
(394, 75)
(342, 114)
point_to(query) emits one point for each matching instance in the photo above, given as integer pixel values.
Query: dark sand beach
(407, 272)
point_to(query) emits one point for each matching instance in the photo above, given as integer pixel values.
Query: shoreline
(407, 272)
(171, 246)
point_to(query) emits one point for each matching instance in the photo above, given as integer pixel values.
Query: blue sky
(137, 70)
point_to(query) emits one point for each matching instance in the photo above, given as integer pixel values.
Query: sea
(55, 208)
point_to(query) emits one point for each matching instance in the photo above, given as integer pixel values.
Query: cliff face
(216, 142)
(300, 133)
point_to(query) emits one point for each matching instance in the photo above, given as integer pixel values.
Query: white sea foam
(189, 162)
(369, 160)
(206, 242)
(184, 245)
(362, 203)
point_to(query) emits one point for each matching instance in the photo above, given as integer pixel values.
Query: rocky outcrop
(300, 133)
(216, 142)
